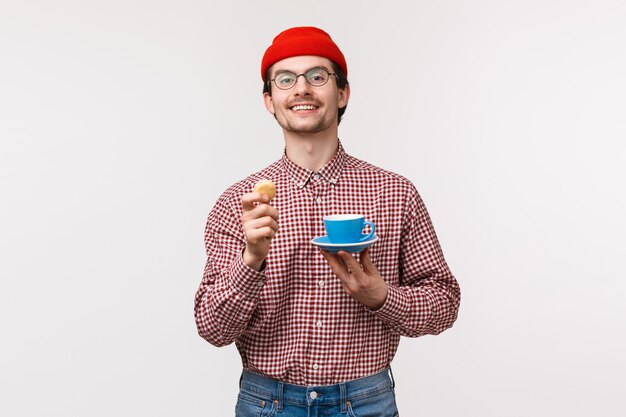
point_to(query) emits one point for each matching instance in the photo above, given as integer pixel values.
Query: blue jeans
(372, 396)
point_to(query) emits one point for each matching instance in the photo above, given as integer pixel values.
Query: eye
(285, 78)
(317, 76)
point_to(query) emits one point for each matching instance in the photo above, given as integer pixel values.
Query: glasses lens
(285, 80)
(317, 76)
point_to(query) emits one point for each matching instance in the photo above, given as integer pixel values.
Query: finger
(332, 259)
(250, 200)
(337, 265)
(366, 260)
(349, 260)
(260, 211)
(255, 235)
(261, 222)
(264, 210)
(270, 211)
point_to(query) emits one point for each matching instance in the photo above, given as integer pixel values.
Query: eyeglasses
(316, 77)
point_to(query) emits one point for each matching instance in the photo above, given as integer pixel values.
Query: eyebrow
(281, 70)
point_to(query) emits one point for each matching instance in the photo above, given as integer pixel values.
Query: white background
(122, 121)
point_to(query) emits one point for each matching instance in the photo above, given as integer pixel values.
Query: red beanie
(306, 40)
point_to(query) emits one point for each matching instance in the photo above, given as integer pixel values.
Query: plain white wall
(121, 122)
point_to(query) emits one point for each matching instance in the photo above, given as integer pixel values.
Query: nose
(301, 86)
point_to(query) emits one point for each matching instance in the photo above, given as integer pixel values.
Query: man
(317, 331)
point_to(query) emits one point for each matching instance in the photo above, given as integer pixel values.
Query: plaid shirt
(292, 321)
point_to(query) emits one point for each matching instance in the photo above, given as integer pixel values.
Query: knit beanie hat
(305, 40)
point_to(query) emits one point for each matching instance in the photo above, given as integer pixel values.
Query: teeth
(303, 107)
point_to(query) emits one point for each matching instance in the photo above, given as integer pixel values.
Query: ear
(344, 96)
(269, 103)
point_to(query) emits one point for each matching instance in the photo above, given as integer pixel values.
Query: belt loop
(281, 386)
(343, 398)
(393, 381)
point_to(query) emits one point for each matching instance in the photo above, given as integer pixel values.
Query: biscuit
(266, 187)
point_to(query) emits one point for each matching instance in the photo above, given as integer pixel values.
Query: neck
(313, 150)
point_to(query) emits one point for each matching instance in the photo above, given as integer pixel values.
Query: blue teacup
(347, 228)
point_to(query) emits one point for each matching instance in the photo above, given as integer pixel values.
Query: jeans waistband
(342, 393)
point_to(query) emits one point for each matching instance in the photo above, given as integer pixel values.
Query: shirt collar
(329, 173)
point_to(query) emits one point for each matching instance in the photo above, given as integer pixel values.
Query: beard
(316, 127)
(293, 125)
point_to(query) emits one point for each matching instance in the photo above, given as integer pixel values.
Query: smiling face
(305, 109)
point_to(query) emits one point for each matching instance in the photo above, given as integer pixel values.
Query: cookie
(266, 187)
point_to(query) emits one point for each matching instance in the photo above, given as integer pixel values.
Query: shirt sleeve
(427, 299)
(230, 290)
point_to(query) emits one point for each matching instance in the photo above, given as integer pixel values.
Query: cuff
(245, 280)
(395, 308)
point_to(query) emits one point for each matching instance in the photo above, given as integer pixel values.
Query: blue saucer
(322, 242)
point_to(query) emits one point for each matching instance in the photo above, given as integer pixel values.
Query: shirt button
(318, 324)
(313, 395)
(316, 176)
(260, 283)
(321, 283)
(318, 200)
(316, 366)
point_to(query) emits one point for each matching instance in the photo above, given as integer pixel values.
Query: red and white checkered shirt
(293, 321)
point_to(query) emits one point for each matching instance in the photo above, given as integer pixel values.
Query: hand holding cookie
(259, 222)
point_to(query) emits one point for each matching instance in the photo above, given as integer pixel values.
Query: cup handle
(370, 234)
